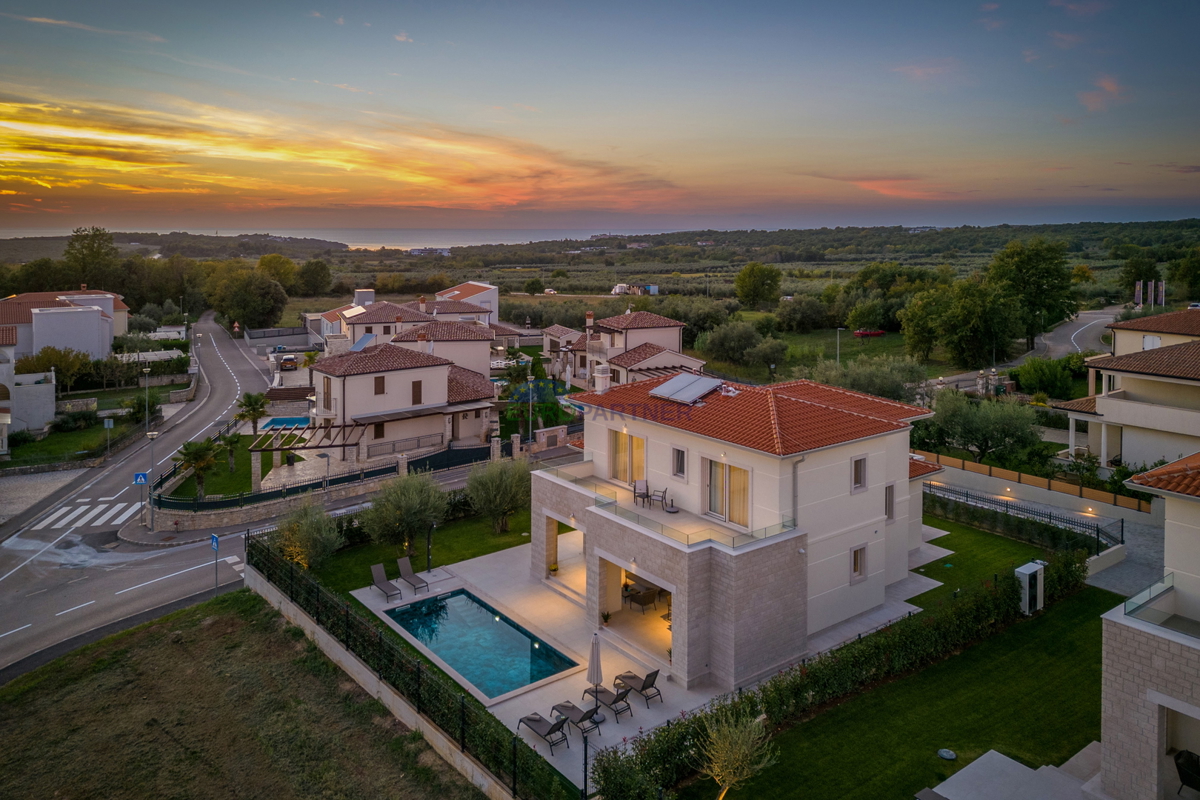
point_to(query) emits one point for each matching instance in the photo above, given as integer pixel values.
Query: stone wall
(1147, 671)
(162, 380)
(82, 404)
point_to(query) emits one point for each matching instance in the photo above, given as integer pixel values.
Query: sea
(392, 238)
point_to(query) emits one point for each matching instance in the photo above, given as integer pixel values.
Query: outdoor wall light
(536, 645)
(1089, 508)
(1007, 489)
(800, 551)
(572, 520)
(497, 619)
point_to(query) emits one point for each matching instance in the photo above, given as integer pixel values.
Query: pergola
(306, 437)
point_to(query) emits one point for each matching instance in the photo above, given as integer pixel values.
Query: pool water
(487, 648)
(285, 422)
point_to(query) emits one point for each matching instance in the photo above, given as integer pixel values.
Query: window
(889, 502)
(387, 329)
(379, 384)
(1151, 342)
(416, 393)
(728, 493)
(860, 475)
(379, 430)
(477, 413)
(858, 564)
(627, 457)
(370, 329)
(583, 362)
(327, 391)
(678, 462)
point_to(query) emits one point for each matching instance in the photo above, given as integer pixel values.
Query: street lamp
(146, 372)
(530, 381)
(839, 345)
(152, 435)
(429, 548)
(326, 457)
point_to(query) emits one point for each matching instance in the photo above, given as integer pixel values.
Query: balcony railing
(1148, 595)
(1159, 604)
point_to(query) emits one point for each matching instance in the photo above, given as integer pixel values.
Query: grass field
(111, 398)
(221, 481)
(223, 699)
(65, 445)
(455, 541)
(995, 695)
(978, 556)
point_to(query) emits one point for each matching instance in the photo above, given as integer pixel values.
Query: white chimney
(602, 375)
(422, 304)
(423, 343)
(591, 317)
(364, 297)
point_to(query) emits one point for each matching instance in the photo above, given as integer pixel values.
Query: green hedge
(1043, 534)
(661, 758)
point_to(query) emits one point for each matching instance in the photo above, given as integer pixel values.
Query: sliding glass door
(727, 493)
(627, 457)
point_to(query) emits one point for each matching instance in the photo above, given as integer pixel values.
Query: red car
(862, 334)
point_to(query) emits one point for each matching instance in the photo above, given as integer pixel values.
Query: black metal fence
(1076, 532)
(174, 470)
(439, 699)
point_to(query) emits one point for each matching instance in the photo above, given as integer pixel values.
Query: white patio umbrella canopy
(595, 675)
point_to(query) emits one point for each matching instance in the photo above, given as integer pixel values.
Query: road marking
(38, 553)
(169, 456)
(14, 630)
(1081, 330)
(68, 517)
(77, 580)
(39, 591)
(103, 517)
(49, 519)
(83, 520)
(128, 513)
(163, 578)
(69, 610)
(115, 496)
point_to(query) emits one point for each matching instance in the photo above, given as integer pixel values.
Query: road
(62, 570)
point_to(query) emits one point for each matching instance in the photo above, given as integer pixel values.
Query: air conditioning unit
(1032, 577)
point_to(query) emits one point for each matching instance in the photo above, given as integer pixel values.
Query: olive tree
(309, 536)
(498, 489)
(405, 508)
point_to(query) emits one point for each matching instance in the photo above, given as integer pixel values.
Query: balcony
(1118, 408)
(1160, 604)
(682, 526)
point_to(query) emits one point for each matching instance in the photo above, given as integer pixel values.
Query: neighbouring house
(466, 344)
(78, 319)
(1159, 330)
(110, 303)
(475, 292)
(643, 345)
(1150, 695)
(452, 310)
(1147, 407)
(775, 512)
(406, 399)
(26, 400)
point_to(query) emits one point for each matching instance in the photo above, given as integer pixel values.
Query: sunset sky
(640, 115)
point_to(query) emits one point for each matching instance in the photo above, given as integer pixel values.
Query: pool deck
(502, 580)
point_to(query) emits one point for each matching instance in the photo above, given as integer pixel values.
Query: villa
(724, 526)
(78, 319)
(629, 347)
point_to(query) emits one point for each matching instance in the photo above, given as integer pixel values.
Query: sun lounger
(643, 686)
(583, 720)
(411, 578)
(551, 732)
(388, 588)
(617, 702)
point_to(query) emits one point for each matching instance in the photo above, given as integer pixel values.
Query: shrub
(74, 421)
(1043, 375)
(802, 315)
(497, 489)
(309, 536)
(729, 342)
(404, 508)
(21, 437)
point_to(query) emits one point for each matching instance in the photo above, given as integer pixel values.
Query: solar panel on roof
(685, 388)
(365, 341)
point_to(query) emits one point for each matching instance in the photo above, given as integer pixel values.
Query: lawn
(111, 398)
(64, 446)
(221, 481)
(224, 699)
(455, 541)
(978, 556)
(1032, 693)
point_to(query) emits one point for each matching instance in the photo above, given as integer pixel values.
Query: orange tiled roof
(1172, 361)
(781, 419)
(1179, 477)
(19, 312)
(8, 336)
(559, 331)
(581, 342)
(377, 358)
(446, 332)
(1182, 323)
(334, 315)
(465, 385)
(118, 299)
(464, 290)
(1084, 405)
(919, 469)
(384, 312)
(639, 319)
(637, 355)
(448, 307)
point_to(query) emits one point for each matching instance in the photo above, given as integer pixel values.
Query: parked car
(549, 291)
(863, 334)
(288, 362)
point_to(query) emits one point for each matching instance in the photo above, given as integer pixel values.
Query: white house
(628, 347)
(76, 321)
(475, 292)
(26, 400)
(773, 513)
(466, 344)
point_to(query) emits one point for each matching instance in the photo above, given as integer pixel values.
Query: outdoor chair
(641, 491)
(551, 732)
(583, 720)
(617, 702)
(643, 686)
(411, 578)
(1187, 764)
(660, 497)
(388, 588)
(643, 599)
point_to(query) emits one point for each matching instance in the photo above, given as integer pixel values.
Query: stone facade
(1150, 703)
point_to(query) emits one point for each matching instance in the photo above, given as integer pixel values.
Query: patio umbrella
(595, 675)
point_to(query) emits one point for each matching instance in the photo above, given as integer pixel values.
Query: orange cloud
(928, 69)
(1109, 91)
(402, 37)
(79, 26)
(903, 186)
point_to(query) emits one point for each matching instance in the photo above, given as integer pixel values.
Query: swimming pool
(478, 642)
(285, 422)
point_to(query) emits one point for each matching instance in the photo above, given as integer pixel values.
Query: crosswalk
(90, 515)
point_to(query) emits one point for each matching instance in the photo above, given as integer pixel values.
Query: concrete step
(1084, 764)
(560, 588)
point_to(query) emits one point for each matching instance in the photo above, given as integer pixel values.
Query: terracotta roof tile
(285, 394)
(17, 312)
(782, 419)
(383, 312)
(8, 336)
(639, 319)
(377, 358)
(465, 385)
(448, 307)
(464, 290)
(637, 355)
(1183, 323)
(333, 315)
(1180, 477)
(919, 469)
(1173, 361)
(580, 344)
(446, 332)
(118, 301)
(1084, 405)
(505, 329)
(559, 331)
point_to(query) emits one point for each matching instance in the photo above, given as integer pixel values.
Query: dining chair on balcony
(660, 497)
(641, 491)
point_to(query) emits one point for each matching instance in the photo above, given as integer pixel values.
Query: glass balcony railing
(1159, 604)
(1148, 595)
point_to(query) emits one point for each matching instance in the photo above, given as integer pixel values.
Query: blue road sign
(214, 541)
(141, 478)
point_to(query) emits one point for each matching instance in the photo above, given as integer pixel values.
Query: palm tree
(200, 457)
(310, 358)
(229, 445)
(251, 408)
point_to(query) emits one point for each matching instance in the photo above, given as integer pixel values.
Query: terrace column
(544, 538)
(449, 434)
(402, 464)
(495, 448)
(516, 445)
(1071, 435)
(1103, 445)
(276, 454)
(256, 470)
